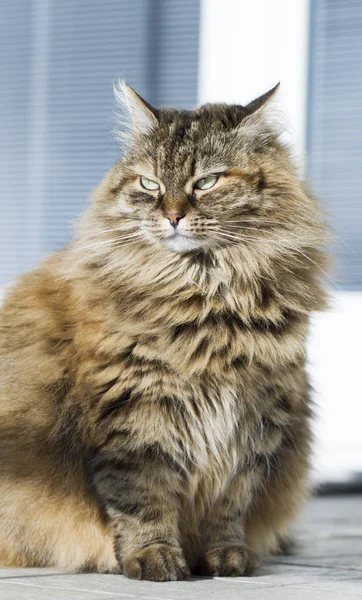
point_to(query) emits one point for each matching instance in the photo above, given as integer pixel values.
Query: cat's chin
(181, 243)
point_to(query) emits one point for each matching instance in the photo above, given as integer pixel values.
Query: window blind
(58, 62)
(335, 127)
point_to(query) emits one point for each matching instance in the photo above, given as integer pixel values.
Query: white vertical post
(247, 47)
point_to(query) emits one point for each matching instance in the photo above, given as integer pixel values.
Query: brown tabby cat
(154, 413)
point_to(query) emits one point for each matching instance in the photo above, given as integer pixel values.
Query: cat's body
(154, 411)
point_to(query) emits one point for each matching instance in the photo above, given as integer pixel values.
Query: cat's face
(186, 182)
(201, 179)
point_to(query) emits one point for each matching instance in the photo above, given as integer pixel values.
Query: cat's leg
(48, 520)
(225, 552)
(256, 511)
(285, 472)
(139, 494)
(279, 500)
(48, 516)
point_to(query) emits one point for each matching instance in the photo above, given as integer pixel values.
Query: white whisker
(105, 242)
(286, 245)
(102, 232)
(112, 243)
(231, 224)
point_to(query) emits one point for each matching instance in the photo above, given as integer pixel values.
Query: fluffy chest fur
(190, 372)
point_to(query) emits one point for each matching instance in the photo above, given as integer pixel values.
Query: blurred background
(58, 60)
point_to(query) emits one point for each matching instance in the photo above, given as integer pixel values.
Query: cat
(155, 410)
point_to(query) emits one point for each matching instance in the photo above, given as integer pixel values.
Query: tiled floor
(328, 566)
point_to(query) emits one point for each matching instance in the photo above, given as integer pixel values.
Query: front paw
(229, 561)
(158, 562)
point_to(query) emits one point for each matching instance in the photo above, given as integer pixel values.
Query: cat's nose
(174, 218)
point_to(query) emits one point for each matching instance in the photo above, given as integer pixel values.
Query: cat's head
(204, 179)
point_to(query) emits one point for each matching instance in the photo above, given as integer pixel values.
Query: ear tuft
(141, 116)
(262, 101)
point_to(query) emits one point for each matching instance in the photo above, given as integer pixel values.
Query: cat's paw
(158, 562)
(285, 547)
(229, 561)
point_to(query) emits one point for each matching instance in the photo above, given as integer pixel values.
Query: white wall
(246, 47)
(335, 364)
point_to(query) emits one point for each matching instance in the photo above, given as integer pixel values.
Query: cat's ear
(259, 103)
(142, 116)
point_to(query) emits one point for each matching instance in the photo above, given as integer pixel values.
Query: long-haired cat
(155, 411)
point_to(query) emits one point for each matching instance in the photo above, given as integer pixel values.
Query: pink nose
(174, 218)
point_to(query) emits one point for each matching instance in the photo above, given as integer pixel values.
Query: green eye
(149, 184)
(206, 182)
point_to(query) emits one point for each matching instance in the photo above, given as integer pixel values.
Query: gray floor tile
(327, 565)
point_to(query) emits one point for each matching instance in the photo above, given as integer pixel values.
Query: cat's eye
(149, 184)
(206, 182)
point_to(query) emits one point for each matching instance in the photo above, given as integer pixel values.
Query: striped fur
(155, 412)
